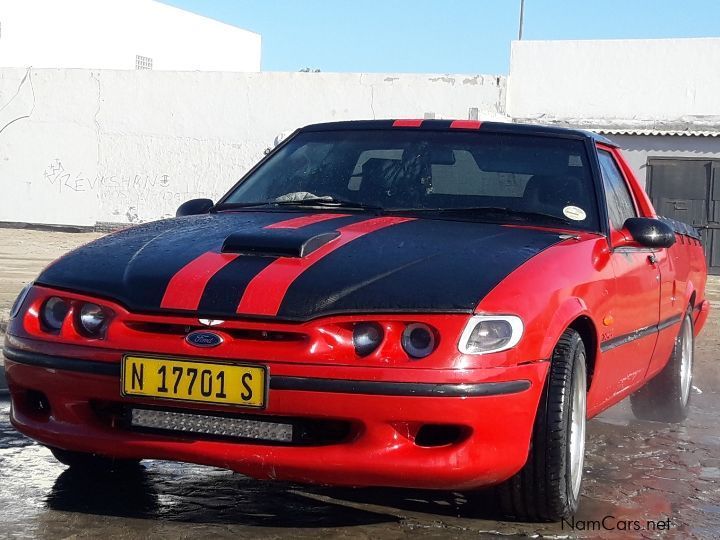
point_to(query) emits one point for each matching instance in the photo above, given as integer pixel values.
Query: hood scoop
(276, 242)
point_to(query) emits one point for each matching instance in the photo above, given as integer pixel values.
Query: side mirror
(650, 232)
(194, 207)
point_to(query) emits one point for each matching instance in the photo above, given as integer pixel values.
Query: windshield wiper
(522, 215)
(326, 201)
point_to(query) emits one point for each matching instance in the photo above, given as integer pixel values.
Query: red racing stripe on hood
(186, 287)
(265, 292)
(302, 221)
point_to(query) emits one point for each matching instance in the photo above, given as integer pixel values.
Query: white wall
(108, 34)
(628, 82)
(85, 146)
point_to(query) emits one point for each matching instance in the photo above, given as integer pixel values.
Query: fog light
(93, 319)
(53, 313)
(37, 403)
(367, 337)
(418, 340)
(433, 435)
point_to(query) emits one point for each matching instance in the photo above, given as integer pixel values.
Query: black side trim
(669, 322)
(378, 388)
(59, 362)
(640, 333)
(373, 388)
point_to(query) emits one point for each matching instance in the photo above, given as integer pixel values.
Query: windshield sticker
(574, 213)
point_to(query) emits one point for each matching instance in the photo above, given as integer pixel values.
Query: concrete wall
(108, 34)
(615, 81)
(639, 148)
(81, 146)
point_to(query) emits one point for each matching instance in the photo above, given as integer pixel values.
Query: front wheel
(547, 488)
(666, 397)
(92, 462)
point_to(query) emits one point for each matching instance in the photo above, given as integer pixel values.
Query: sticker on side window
(575, 213)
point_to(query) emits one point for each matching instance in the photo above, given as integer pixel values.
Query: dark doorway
(689, 190)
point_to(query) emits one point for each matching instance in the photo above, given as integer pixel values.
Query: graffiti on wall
(128, 197)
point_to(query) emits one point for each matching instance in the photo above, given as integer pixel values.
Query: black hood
(311, 264)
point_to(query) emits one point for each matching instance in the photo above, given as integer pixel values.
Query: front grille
(236, 333)
(245, 428)
(220, 426)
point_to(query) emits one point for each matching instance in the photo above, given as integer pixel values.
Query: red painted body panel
(380, 452)
(606, 286)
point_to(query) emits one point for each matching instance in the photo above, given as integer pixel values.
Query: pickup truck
(412, 303)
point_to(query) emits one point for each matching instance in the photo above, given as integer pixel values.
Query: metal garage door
(689, 190)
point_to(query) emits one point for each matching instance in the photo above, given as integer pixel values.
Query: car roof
(466, 125)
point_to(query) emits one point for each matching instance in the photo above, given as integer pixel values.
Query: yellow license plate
(186, 380)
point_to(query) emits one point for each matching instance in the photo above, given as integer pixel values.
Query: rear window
(423, 169)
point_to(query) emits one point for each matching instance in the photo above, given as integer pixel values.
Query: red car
(426, 304)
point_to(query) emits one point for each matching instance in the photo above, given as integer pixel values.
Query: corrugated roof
(705, 126)
(656, 132)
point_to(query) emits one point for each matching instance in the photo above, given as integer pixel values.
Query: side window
(619, 201)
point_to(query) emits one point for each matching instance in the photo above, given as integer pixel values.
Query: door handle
(652, 259)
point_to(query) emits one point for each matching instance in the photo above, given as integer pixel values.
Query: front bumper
(494, 407)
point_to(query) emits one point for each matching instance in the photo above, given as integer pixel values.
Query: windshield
(543, 180)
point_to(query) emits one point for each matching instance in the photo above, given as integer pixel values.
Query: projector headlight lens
(93, 319)
(491, 333)
(53, 313)
(418, 340)
(367, 337)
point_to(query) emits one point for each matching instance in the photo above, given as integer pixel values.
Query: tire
(666, 397)
(548, 487)
(92, 462)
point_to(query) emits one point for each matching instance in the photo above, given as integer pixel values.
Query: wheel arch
(585, 326)
(573, 313)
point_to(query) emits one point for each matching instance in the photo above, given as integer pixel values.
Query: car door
(629, 331)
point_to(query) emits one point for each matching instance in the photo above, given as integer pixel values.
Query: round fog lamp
(418, 340)
(92, 318)
(367, 337)
(54, 312)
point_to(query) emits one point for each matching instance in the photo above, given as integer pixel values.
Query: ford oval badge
(202, 338)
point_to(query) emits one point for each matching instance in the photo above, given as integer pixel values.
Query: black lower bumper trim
(382, 388)
(61, 362)
(304, 384)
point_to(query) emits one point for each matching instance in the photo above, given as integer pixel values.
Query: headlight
(418, 340)
(367, 337)
(19, 301)
(93, 319)
(54, 312)
(490, 333)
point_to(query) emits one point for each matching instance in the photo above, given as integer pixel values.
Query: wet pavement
(635, 471)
